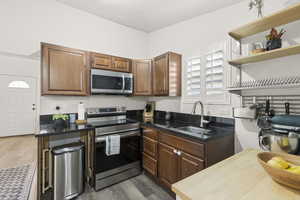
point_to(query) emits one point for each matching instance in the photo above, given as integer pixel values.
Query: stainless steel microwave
(109, 82)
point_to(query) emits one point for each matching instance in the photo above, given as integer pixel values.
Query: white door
(17, 105)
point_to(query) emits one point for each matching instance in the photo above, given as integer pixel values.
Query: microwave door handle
(123, 88)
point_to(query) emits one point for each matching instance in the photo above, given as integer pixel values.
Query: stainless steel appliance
(115, 168)
(109, 82)
(283, 136)
(68, 171)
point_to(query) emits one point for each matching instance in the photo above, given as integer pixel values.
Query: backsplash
(69, 105)
(182, 117)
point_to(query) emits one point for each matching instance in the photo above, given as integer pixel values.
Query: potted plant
(60, 120)
(274, 40)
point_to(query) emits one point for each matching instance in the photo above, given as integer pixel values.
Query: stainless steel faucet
(202, 111)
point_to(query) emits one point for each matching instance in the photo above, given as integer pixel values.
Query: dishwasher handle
(100, 139)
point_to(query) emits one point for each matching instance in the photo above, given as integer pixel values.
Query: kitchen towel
(112, 145)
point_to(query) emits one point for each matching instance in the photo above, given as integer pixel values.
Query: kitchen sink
(192, 129)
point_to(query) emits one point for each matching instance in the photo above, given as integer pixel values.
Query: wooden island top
(239, 177)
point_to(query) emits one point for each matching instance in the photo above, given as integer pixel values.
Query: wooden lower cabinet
(175, 165)
(167, 165)
(150, 147)
(150, 164)
(150, 151)
(189, 165)
(179, 157)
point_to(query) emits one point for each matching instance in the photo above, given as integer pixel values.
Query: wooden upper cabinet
(161, 75)
(107, 62)
(167, 75)
(101, 61)
(121, 64)
(64, 71)
(175, 62)
(142, 73)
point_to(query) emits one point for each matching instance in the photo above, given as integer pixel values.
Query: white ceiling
(148, 15)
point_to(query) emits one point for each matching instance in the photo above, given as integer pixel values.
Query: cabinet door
(64, 71)
(174, 74)
(142, 72)
(121, 64)
(161, 75)
(101, 61)
(189, 165)
(167, 165)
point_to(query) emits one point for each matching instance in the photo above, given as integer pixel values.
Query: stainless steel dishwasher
(68, 171)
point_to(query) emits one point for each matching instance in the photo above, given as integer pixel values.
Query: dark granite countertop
(51, 129)
(216, 130)
(219, 127)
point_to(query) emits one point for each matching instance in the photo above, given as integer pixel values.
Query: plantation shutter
(193, 77)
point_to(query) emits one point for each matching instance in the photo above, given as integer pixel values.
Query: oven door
(109, 82)
(130, 154)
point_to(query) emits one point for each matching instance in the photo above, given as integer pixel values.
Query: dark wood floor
(138, 188)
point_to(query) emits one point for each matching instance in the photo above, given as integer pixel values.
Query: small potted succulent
(60, 120)
(274, 40)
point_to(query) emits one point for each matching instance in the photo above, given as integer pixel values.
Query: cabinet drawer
(102, 61)
(193, 148)
(121, 64)
(150, 147)
(150, 164)
(150, 133)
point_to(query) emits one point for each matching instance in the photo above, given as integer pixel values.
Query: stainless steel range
(111, 169)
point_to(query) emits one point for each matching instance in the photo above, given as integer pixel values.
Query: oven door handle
(128, 134)
(116, 132)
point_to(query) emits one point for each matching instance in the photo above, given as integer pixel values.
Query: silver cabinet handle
(44, 187)
(175, 151)
(179, 153)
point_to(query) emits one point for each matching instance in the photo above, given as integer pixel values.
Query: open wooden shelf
(268, 55)
(282, 17)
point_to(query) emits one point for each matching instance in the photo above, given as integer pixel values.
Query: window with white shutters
(193, 79)
(214, 73)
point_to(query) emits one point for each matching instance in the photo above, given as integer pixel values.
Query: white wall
(24, 24)
(194, 37)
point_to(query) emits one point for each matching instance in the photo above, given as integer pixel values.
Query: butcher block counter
(239, 177)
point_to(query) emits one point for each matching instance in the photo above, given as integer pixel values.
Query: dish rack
(268, 83)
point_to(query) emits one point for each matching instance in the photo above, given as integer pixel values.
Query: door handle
(175, 151)
(179, 153)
